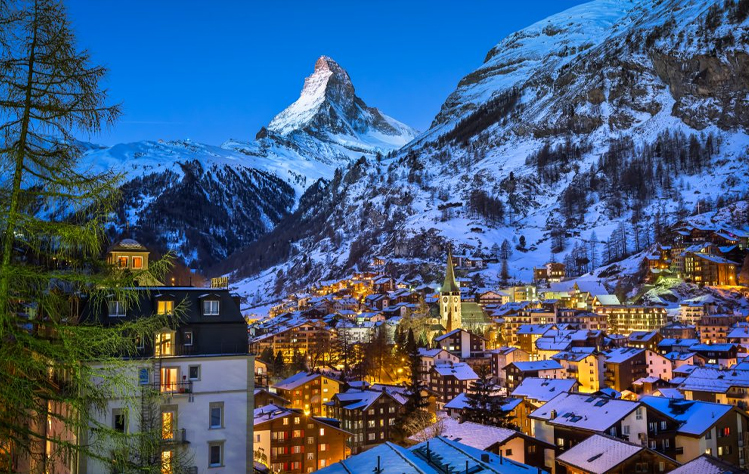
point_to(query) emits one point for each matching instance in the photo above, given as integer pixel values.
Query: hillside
(584, 133)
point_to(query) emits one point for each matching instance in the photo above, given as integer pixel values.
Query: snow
(706, 464)
(599, 454)
(588, 412)
(542, 390)
(532, 366)
(460, 371)
(468, 433)
(696, 417)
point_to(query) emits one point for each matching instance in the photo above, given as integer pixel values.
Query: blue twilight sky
(213, 70)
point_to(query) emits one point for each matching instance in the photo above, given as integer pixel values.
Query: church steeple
(450, 304)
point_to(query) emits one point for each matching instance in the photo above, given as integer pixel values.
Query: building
(602, 454)
(723, 355)
(432, 357)
(587, 367)
(462, 344)
(263, 397)
(707, 463)
(645, 339)
(698, 428)
(515, 410)
(503, 356)
(625, 319)
(448, 380)
(714, 328)
(705, 268)
(292, 333)
(450, 299)
(429, 457)
(196, 380)
(623, 366)
(726, 386)
(539, 391)
(289, 441)
(308, 391)
(517, 371)
(551, 272)
(368, 414)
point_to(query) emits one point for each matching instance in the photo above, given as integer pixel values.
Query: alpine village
(552, 276)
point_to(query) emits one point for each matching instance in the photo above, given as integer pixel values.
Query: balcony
(176, 388)
(178, 437)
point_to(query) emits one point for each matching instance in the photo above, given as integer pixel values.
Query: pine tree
(415, 417)
(49, 91)
(484, 405)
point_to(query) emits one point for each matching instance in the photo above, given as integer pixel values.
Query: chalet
(503, 356)
(602, 454)
(645, 339)
(368, 414)
(587, 367)
(623, 366)
(448, 380)
(679, 330)
(432, 357)
(738, 334)
(658, 365)
(676, 345)
(726, 386)
(649, 385)
(539, 391)
(708, 269)
(287, 440)
(516, 410)
(570, 418)
(469, 262)
(308, 391)
(551, 272)
(702, 428)
(493, 298)
(714, 328)
(516, 372)
(723, 355)
(511, 444)
(264, 397)
(461, 343)
(528, 334)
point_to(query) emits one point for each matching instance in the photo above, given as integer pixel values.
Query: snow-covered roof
(599, 454)
(608, 300)
(695, 416)
(552, 344)
(543, 390)
(739, 332)
(270, 412)
(468, 433)
(297, 380)
(532, 366)
(641, 336)
(670, 393)
(584, 411)
(445, 336)
(705, 379)
(707, 464)
(534, 329)
(461, 371)
(622, 354)
(357, 399)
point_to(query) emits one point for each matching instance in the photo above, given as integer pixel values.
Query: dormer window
(117, 309)
(165, 307)
(137, 263)
(210, 308)
(164, 343)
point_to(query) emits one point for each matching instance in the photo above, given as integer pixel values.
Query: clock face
(444, 299)
(455, 298)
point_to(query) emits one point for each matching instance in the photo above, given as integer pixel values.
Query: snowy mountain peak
(329, 109)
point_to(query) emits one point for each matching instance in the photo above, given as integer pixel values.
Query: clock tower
(450, 314)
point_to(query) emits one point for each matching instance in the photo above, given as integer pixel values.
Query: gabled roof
(460, 371)
(543, 390)
(608, 300)
(601, 454)
(468, 433)
(622, 354)
(532, 366)
(298, 379)
(706, 379)
(695, 416)
(584, 411)
(707, 464)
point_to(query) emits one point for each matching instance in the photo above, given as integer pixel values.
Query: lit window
(122, 262)
(165, 307)
(137, 263)
(167, 425)
(163, 344)
(166, 462)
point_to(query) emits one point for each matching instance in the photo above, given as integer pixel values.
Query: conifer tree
(50, 260)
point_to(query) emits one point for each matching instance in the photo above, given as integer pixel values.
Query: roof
(468, 433)
(712, 347)
(450, 285)
(357, 399)
(394, 459)
(599, 454)
(128, 245)
(622, 354)
(714, 258)
(532, 366)
(642, 335)
(543, 390)
(460, 402)
(584, 411)
(270, 412)
(696, 417)
(298, 380)
(534, 329)
(707, 464)
(608, 300)
(451, 333)
(460, 371)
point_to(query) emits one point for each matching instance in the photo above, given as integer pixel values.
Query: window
(638, 414)
(508, 452)
(187, 337)
(297, 449)
(285, 421)
(296, 420)
(163, 344)
(122, 262)
(310, 440)
(720, 450)
(625, 430)
(216, 454)
(169, 379)
(560, 442)
(167, 425)
(709, 451)
(137, 263)
(296, 465)
(120, 420)
(117, 309)
(165, 307)
(194, 372)
(323, 462)
(210, 308)
(297, 434)
(217, 415)
(166, 462)
(531, 449)
(663, 425)
(666, 444)
(323, 447)
(139, 342)
(726, 431)
(310, 456)
(371, 436)
(322, 431)
(709, 434)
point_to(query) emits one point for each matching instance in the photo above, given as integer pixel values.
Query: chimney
(553, 414)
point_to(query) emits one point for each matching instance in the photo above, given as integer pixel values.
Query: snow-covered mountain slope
(205, 202)
(603, 121)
